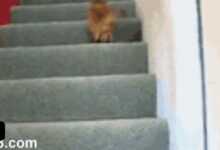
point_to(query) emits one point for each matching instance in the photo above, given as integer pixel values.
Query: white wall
(170, 28)
(211, 27)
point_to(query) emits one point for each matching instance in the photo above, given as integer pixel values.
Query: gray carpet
(73, 60)
(136, 134)
(79, 98)
(63, 12)
(70, 94)
(56, 33)
(36, 2)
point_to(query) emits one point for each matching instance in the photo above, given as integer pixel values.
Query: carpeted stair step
(55, 33)
(137, 134)
(37, 2)
(73, 60)
(63, 12)
(79, 98)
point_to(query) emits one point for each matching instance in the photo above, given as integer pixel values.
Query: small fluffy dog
(101, 20)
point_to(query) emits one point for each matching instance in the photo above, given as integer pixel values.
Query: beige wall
(211, 24)
(170, 29)
(159, 34)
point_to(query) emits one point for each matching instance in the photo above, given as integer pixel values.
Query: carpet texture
(64, 91)
(136, 134)
(64, 12)
(56, 33)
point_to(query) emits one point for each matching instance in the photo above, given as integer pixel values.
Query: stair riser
(64, 33)
(64, 12)
(66, 99)
(31, 2)
(83, 60)
(118, 135)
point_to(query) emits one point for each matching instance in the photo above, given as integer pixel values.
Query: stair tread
(63, 12)
(73, 60)
(94, 123)
(57, 33)
(138, 134)
(78, 98)
(65, 93)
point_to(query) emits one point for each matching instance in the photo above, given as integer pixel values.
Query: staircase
(70, 94)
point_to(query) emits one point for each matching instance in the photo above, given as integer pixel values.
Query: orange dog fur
(101, 21)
